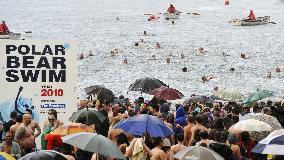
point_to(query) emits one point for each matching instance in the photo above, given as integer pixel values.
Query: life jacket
(251, 16)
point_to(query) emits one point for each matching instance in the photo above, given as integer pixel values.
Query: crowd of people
(196, 124)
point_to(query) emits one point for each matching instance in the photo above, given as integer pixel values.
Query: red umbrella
(166, 93)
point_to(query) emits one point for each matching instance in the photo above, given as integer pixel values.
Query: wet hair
(19, 118)
(106, 102)
(199, 119)
(218, 124)
(204, 135)
(184, 69)
(53, 112)
(190, 119)
(157, 141)
(121, 138)
(245, 137)
(269, 103)
(180, 137)
(13, 114)
(30, 111)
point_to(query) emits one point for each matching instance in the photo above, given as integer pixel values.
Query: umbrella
(6, 156)
(195, 99)
(44, 155)
(252, 125)
(166, 93)
(276, 133)
(72, 128)
(143, 123)
(228, 95)
(88, 116)
(121, 101)
(197, 153)
(146, 84)
(271, 145)
(94, 143)
(101, 92)
(257, 96)
(272, 121)
(258, 130)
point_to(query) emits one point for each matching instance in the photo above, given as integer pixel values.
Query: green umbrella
(257, 96)
(229, 95)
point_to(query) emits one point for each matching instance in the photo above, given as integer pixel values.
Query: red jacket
(4, 28)
(171, 10)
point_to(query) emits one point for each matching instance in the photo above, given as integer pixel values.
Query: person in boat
(152, 18)
(251, 15)
(171, 9)
(4, 28)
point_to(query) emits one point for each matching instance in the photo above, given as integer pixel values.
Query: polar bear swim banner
(39, 75)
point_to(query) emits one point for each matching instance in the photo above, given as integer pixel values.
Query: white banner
(39, 75)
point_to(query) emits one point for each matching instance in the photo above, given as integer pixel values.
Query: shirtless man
(24, 135)
(187, 129)
(13, 128)
(178, 147)
(34, 125)
(198, 125)
(158, 153)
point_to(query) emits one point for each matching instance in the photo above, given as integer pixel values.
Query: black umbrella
(195, 99)
(88, 116)
(146, 84)
(121, 101)
(44, 155)
(101, 92)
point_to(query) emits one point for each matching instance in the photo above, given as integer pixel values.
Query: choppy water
(93, 23)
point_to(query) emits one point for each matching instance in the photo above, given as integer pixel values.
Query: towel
(138, 151)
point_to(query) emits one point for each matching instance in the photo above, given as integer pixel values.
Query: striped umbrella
(72, 128)
(271, 145)
(6, 156)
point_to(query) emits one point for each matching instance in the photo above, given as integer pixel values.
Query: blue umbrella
(270, 145)
(143, 123)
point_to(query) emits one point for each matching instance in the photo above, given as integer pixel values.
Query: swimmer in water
(81, 56)
(158, 45)
(168, 60)
(206, 79)
(90, 53)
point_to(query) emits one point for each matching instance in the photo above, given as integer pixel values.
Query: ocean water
(93, 23)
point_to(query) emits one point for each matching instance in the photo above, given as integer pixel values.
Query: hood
(180, 112)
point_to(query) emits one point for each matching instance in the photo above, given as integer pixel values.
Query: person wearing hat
(3, 28)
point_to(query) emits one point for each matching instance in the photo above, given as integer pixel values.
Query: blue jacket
(180, 119)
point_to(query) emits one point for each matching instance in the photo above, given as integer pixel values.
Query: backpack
(223, 150)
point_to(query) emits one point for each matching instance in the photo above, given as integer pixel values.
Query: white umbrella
(251, 125)
(272, 121)
(197, 153)
(94, 143)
